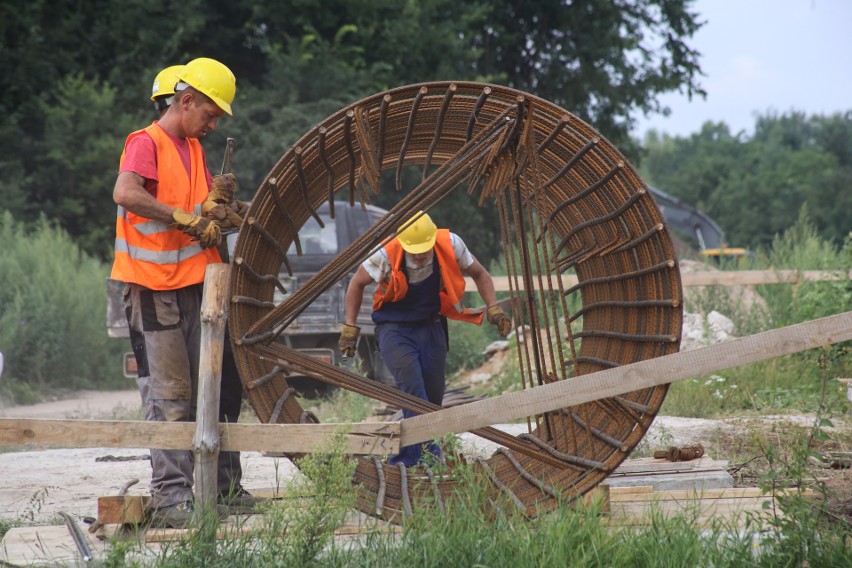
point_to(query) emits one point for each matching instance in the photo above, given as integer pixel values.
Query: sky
(762, 56)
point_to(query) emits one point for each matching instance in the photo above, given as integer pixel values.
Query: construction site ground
(38, 483)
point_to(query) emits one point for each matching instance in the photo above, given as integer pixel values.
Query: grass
(481, 528)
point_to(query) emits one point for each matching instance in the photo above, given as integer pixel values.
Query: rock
(496, 347)
(720, 327)
(699, 331)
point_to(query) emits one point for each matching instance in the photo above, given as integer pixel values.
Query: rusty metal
(564, 199)
(690, 451)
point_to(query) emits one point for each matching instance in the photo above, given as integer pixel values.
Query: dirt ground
(37, 484)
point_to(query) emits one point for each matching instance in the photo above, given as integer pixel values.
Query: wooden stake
(214, 314)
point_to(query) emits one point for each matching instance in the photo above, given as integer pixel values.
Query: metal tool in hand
(226, 161)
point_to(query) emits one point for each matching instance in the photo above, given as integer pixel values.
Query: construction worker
(420, 283)
(163, 89)
(162, 248)
(229, 478)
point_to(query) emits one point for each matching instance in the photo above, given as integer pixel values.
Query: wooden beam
(620, 380)
(712, 278)
(363, 438)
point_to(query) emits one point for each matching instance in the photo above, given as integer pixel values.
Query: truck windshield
(316, 240)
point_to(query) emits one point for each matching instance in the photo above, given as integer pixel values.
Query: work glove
(240, 207)
(224, 215)
(220, 205)
(204, 230)
(348, 339)
(498, 317)
(223, 189)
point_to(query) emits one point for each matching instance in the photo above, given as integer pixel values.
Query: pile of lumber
(731, 506)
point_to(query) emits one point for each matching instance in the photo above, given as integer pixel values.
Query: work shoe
(238, 502)
(180, 515)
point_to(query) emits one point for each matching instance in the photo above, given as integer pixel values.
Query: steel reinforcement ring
(568, 204)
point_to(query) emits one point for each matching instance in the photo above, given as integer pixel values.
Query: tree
(295, 65)
(600, 59)
(755, 187)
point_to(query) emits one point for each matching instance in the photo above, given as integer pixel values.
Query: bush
(52, 314)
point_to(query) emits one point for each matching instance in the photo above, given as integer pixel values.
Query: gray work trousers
(165, 332)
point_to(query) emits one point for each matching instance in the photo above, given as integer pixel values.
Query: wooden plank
(710, 278)
(707, 494)
(620, 380)
(363, 438)
(614, 492)
(45, 546)
(667, 467)
(122, 509)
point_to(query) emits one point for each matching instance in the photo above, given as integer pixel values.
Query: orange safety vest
(152, 253)
(452, 280)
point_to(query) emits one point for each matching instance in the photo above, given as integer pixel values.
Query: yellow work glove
(348, 339)
(205, 230)
(224, 188)
(498, 317)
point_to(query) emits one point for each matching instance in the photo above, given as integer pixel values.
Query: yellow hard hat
(418, 236)
(213, 79)
(165, 81)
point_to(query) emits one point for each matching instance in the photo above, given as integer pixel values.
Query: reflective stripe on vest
(153, 253)
(452, 280)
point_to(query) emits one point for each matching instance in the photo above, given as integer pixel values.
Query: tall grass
(791, 382)
(479, 526)
(52, 314)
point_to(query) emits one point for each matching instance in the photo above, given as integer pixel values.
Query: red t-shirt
(140, 157)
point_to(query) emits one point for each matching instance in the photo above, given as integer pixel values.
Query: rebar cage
(567, 202)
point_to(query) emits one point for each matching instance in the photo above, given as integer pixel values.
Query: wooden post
(214, 314)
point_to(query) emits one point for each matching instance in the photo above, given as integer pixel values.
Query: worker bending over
(420, 277)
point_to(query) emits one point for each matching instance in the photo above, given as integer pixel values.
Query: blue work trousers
(417, 358)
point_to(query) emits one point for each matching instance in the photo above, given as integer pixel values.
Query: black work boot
(239, 501)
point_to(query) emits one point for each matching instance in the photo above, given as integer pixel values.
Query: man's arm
(355, 294)
(130, 193)
(483, 281)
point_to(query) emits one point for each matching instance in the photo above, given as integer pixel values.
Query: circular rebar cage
(592, 271)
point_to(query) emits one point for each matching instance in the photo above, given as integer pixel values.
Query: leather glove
(498, 317)
(223, 215)
(240, 207)
(205, 230)
(348, 339)
(224, 188)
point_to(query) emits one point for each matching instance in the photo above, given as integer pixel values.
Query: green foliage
(755, 187)
(785, 382)
(467, 342)
(52, 313)
(76, 78)
(809, 533)
(601, 60)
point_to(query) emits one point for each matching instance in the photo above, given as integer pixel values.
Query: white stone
(496, 347)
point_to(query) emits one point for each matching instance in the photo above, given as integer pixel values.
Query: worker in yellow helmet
(420, 283)
(163, 89)
(162, 248)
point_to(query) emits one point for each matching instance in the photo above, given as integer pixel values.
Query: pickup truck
(317, 329)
